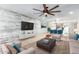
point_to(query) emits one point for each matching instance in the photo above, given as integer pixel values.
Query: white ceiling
(27, 9)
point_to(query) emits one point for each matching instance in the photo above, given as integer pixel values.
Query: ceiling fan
(47, 11)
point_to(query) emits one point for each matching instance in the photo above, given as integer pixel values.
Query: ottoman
(46, 44)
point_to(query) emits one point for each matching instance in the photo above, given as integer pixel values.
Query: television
(43, 26)
(27, 25)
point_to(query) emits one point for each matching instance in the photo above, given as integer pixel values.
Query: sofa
(56, 31)
(8, 48)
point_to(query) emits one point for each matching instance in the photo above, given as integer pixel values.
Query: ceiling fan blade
(52, 14)
(55, 11)
(54, 7)
(36, 13)
(44, 5)
(41, 15)
(37, 10)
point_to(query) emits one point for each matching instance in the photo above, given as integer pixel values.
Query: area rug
(62, 47)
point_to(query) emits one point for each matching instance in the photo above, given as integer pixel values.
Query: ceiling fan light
(45, 13)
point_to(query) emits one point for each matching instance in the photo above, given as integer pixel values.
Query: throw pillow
(16, 47)
(11, 49)
(4, 49)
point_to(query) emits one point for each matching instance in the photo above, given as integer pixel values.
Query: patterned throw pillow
(11, 49)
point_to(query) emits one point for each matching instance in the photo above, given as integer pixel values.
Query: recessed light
(71, 12)
(57, 19)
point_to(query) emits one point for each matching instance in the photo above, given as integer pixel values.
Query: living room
(26, 30)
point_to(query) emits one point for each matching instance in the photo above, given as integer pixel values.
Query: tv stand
(26, 34)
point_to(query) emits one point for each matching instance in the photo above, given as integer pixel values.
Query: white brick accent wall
(10, 26)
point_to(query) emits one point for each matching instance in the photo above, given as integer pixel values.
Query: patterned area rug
(62, 47)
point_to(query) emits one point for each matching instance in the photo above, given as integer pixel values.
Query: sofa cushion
(30, 50)
(1, 50)
(11, 49)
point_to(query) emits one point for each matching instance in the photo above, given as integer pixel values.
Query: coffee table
(46, 44)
